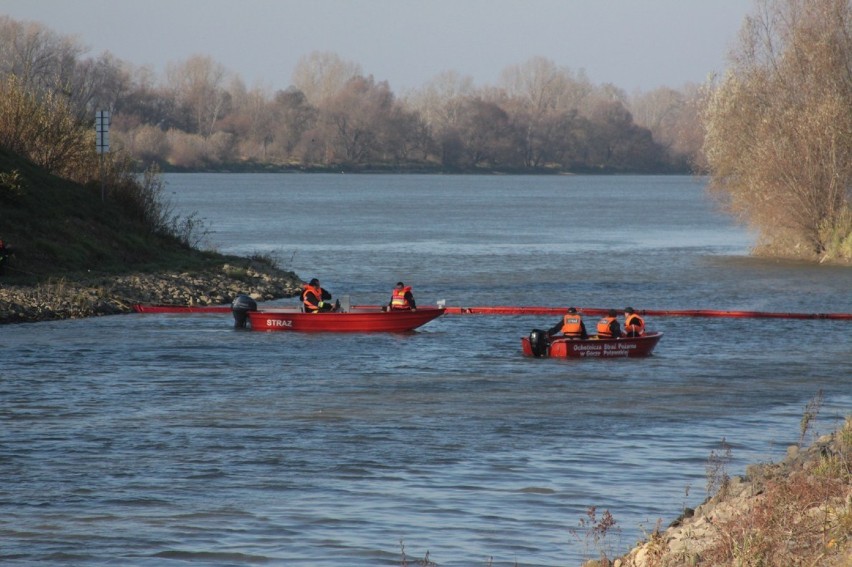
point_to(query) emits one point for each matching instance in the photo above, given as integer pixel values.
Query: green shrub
(838, 238)
(12, 185)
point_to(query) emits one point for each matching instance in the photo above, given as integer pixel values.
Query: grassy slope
(61, 229)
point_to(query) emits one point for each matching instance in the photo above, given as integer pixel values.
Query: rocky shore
(796, 512)
(62, 298)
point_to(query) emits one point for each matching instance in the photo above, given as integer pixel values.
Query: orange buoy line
(533, 310)
(538, 310)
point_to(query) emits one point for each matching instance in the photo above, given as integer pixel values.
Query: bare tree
(197, 85)
(779, 126)
(486, 134)
(674, 119)
(544, 87)
(251, 121)
(40, 58)
(321, 75)
(657, 111)
(439, 100)
(439, 104)
(356, 119)
(99, 84)
(146, 103)
(543, 101)
(294, 117)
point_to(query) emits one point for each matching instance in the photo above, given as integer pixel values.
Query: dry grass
(794, 514)
(798, 520)
(596, 531)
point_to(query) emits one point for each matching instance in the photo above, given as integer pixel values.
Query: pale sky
(633, 44)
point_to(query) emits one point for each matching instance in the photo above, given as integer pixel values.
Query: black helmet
(572, 310)
(314, 282)
(628, 310)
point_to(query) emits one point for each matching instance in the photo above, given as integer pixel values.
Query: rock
(792, 451)
(113, 295)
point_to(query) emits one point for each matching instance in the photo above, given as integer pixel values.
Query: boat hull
(629, 347)
(356, 320)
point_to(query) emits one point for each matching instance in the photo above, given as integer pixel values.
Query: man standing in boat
(571, 325)
(315, 299)
(402, 298)
(634, 325)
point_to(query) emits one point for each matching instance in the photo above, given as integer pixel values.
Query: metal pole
(103, 189)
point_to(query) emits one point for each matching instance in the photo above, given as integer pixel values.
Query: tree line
(199, 115)
(773, 134)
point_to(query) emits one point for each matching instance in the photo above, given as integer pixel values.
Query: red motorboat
(366, 319)
(537, 344)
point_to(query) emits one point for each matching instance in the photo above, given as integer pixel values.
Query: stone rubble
(108, 295)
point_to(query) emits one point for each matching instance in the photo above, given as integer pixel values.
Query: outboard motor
(538, 342)
(240, 307)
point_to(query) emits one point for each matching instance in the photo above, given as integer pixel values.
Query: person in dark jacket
(608, 327)
(571, 325)
(402, 298)
(315, 298)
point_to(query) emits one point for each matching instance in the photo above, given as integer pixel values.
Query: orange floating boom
(540, 310)
(533, 310)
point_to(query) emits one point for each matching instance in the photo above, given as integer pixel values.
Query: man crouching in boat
(402, 298)
(571, 325)
(315, 299)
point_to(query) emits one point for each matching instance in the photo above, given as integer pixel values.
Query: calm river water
(169, 439)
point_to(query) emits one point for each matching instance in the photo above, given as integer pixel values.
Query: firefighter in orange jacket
(634, 325)
(402, 298)
(571, 325)
(315, 298)
(608, 327)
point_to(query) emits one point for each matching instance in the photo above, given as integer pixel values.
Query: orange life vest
(317, 291)
(603, 327)
(398, 299)
(634, 325)
(572, 325)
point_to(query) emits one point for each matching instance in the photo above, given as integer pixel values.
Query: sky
(636, 45)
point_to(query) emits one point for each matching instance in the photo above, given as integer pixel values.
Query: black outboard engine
(538, 342)
(240, 307)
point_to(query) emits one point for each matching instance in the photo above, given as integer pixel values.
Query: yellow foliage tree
(42, 128)
(779, 128)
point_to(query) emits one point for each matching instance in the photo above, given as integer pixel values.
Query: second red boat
(626, 347)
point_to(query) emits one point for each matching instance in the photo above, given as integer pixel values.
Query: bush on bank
(89, 239)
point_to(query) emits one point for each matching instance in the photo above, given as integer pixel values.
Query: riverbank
(796, 512)
(78, 297)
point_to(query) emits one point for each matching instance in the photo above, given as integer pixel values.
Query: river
(175, 439)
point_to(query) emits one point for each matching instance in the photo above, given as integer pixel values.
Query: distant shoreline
(408, 170)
